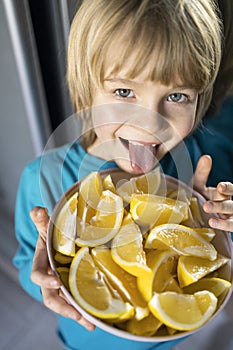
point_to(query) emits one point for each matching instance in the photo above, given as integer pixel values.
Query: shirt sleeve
(28, 196)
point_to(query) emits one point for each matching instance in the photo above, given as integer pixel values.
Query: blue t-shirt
(44, 181)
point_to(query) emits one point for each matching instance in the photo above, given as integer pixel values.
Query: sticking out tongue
(142, 156)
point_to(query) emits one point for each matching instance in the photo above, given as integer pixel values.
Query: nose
(152, 104)
(142, 122)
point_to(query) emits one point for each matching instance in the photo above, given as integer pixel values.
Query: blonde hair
(182, 37)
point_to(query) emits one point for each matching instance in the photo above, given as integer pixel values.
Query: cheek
(185, 122)
(104, 132)
(184, 117)
(108, 118)
(103, 121)
(186, 128)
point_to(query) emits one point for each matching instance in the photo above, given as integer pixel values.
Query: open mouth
(142, 154)
(126, 143)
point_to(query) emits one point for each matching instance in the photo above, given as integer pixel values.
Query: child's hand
(219, 198)
(42, 275)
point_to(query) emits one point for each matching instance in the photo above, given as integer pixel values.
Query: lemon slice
(163, 266)
(125, 284)
(213, 284)
(151, 210)
(146, 183)
(90, 190)
(93, 292)
(183, 312)
(190, 269)
(65, 227)
(127, 249)
(105, 224)
(181, 239)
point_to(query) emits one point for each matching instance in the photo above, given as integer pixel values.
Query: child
(143, 73)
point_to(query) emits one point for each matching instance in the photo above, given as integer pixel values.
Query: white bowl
(222, 242)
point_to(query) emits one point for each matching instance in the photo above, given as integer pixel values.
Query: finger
(220, 224)
(40, 266)
(202, 172)
(220, 207)
(223, 191)
(213, 194)
(41, 219)
(59, 305)
(225, 188)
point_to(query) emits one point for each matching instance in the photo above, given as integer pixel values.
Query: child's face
(137, 121)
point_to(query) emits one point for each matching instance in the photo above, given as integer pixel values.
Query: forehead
(136, 62)
(149, 54)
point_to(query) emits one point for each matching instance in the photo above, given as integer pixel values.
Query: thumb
(40, 218)
(201, 174)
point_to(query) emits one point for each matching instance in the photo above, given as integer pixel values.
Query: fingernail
(38, 214)
(55, 283)
(214, 223)
(210, 206)
(41, 214)
(223, 187)
(73, 317)
(89, 327)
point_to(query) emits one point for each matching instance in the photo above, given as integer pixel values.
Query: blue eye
(124, 93)
(177, 97)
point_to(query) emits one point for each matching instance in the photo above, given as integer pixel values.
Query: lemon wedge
(151, 210)
(190, 269)
(183, 312)
(63, 272)
(106, 222)
(145, 328)
(173, 285)
(196, 212)
(93, 292)
(122, 281)
(213, 284)
(90, 190)
(127, 249)
(181, 239)
(179, 194)
(146, 183)
(65, 227)
(163, 266)
(108, 184)
(62, 259)
(206, 232)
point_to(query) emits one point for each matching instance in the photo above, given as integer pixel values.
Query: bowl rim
(98, 322)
